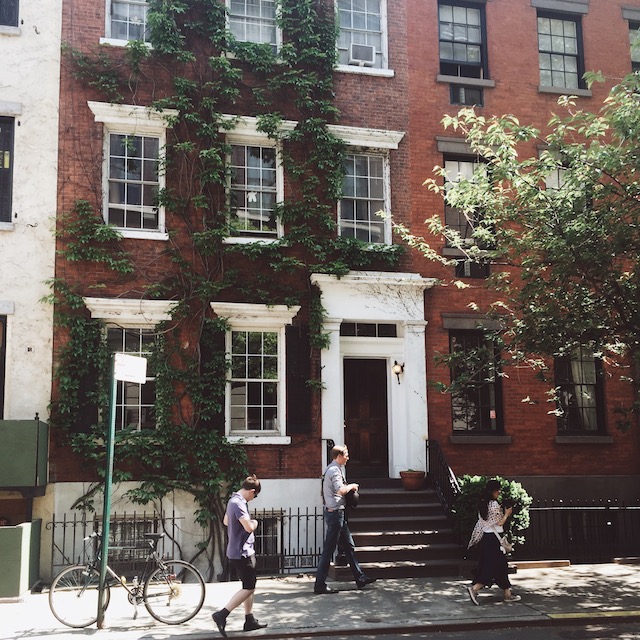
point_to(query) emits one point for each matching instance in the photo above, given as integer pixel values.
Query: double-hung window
(126, 20)
(364, 195)
(579, 393)
(476, 399)
(362, 40)
(253, 21)
(7, 126)
(131, 328)
(133, 174)
(560, 51)
(9, 10)
(135, 403)
(462, 37)
(254, 190)
(256, 389)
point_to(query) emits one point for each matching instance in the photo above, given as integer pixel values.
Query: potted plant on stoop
(412, 480)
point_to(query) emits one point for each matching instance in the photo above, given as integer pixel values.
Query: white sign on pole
(130, 368)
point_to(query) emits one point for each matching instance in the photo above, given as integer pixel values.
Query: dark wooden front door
(365, 416)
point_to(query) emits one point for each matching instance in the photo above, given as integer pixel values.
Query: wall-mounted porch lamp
(397, 369)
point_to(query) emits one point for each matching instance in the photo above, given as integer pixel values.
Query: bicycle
(172, 591)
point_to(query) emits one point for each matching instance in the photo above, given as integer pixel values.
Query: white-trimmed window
(364, 194)
(126, 20)
(253, 189)
(135, 403)
(256, 394)
(130, 327)
(560, 51)
(133, 173)
(362, 40)
(253, 21)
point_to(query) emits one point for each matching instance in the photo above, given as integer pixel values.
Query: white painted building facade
(29, 106)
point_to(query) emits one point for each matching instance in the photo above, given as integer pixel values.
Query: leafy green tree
(561, 228)
(466, 505)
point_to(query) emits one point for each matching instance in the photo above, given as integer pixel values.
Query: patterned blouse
(491, 524)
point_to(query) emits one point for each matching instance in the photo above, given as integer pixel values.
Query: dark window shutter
(298, 372)
(6, 165)
(9, 13)
(213, 369)
(87, 414)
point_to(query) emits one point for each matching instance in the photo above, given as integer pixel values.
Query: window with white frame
(254, 381)
(362, 39)
(9, 10)
(253, 191)
(133, 181)
(253, 21)
(135, 403)
(560, 51)
(364, 194)
(130, 327)
(133, 178)
(7, 127)
(256, 394)
(126, 20)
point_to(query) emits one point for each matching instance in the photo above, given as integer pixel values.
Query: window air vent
(363, 55)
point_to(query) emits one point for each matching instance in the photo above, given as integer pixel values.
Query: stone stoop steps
(400, 534)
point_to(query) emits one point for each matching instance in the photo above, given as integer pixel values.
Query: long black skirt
(492, 565)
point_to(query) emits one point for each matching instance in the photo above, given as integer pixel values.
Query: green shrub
(465, 509)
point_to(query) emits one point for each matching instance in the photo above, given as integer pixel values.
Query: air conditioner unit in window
(364, 55)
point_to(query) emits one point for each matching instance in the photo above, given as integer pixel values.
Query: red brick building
(227, 213)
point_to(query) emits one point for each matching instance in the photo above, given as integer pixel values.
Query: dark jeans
(337, 531)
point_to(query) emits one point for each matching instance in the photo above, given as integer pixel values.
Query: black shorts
(245, 569)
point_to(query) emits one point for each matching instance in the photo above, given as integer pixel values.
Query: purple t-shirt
(241, 542)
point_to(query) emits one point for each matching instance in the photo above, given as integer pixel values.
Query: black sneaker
(361, 584)
(252, 625)
(221, 622)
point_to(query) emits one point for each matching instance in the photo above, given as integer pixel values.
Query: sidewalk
(563, 595)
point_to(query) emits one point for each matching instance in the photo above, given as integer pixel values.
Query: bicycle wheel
(174, 592)
(73, 596)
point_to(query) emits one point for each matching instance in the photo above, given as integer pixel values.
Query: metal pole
(108, 481)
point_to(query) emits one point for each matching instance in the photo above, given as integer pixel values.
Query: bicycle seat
(153, 536)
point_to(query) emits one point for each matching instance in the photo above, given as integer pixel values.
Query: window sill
(468, 82)
(563, 91)
(240, 240)
(586, 439)
(139, 234)
(479, 439)
(7, 226)
(365, 71)
(9, 31)
(114, 42)
(279, 440)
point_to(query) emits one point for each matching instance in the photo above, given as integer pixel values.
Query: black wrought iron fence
(582, 532)
(128, 550)
(288, 541)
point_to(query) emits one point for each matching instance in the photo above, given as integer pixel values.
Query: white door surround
(379, 297)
